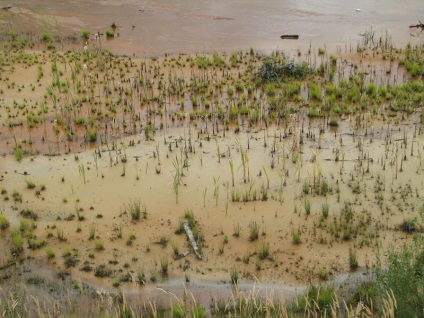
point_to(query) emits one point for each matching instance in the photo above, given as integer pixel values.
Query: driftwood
(180, 256)
(186, 265)
(289, 37)
(192, 240)
(419, 25)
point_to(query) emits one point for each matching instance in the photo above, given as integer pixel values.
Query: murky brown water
(155, 27)
(220, 26)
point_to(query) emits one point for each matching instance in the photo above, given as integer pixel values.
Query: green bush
(404, 276)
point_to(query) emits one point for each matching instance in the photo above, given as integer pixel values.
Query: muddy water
(155, 27)
(102, 197)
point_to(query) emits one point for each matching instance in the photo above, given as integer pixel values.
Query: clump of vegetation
(296, 236)
(409, 225)
(85, 34)
(353, 259)
(404, 276)
(103, 271)
(29, 214)
(50, 253)
(136, 210)
(263, 252)
(4, 222)
(109, 34)
(254, 231)
(17, 241)
(99, 246)
(234, 275)
(273, 69)
(318, 300)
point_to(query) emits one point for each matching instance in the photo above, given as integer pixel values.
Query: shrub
(404, 276)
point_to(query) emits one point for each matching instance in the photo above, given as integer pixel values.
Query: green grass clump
(254, 231)
(92, 135)
(263, 252)
(325, 209)
(99, 246)
(17, 241)
(296, 236)
(134, 209)
(17, 196)
(323, 273)
(50, 253)
(30, 184)
(109, 34)
(317, 300)
(353, 259)
(307, 206)
(314, 91)
(234, 275)
(46, 36)
(18, 152)
(4, 223)
(85, 34)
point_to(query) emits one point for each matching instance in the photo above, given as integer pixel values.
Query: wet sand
(155, 27)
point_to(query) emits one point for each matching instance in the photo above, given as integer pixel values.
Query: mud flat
(289, 170)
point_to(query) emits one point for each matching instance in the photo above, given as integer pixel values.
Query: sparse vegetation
(295, 132)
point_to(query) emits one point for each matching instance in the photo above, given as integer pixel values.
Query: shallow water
(218, 26)
(154, 27)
